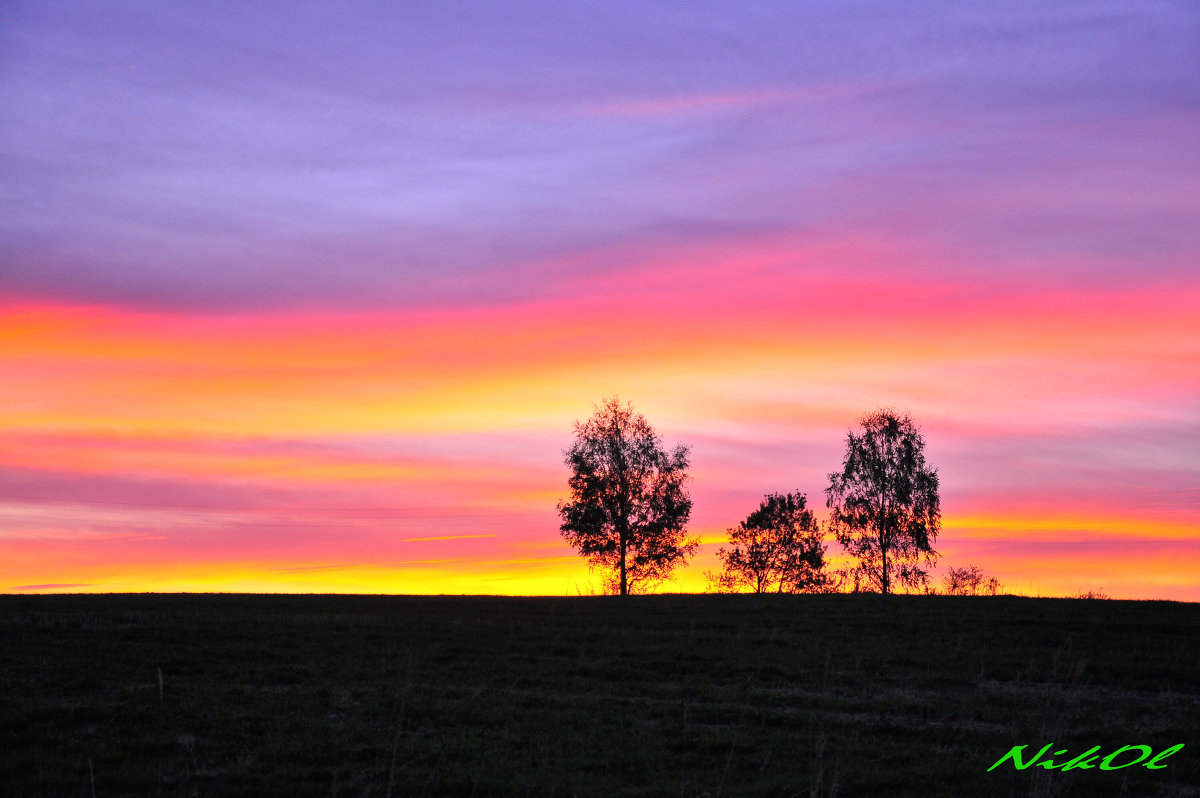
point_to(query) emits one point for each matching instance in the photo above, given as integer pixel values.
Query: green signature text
(1123, 757)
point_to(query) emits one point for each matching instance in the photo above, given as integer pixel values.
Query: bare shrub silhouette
(970, 581)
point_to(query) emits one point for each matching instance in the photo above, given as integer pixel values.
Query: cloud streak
(363, 165)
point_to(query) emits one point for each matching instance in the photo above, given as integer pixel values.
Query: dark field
(663, 695)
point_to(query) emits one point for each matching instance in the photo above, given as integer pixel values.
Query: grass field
(848, 695)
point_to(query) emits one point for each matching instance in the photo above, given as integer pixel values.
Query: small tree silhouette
(778, 547)
(628, 509)
(886, 510)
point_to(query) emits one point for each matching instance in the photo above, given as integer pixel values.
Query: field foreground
(843, 695)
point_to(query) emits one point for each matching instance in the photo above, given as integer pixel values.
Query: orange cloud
(762, 356)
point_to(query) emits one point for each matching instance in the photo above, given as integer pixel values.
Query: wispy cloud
(669, 106)
(444, 537)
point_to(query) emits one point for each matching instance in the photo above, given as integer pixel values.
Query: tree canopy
(628, 509)
(777, 548)
(884, 503)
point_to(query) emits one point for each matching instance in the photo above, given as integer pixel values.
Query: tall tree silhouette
(884, 502)
(628, 510)
(778, 547)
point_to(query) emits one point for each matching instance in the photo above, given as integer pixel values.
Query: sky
(299, 297)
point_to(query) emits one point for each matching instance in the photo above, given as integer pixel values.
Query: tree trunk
(883, 549)
(624, 584)
(884, 529)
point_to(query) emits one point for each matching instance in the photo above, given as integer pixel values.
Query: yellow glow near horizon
(467, 412)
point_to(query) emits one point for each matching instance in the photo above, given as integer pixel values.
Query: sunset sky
(307, 298)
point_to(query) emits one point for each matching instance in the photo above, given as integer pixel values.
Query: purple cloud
(242, 156)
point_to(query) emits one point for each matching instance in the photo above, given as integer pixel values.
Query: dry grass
(661, 695)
